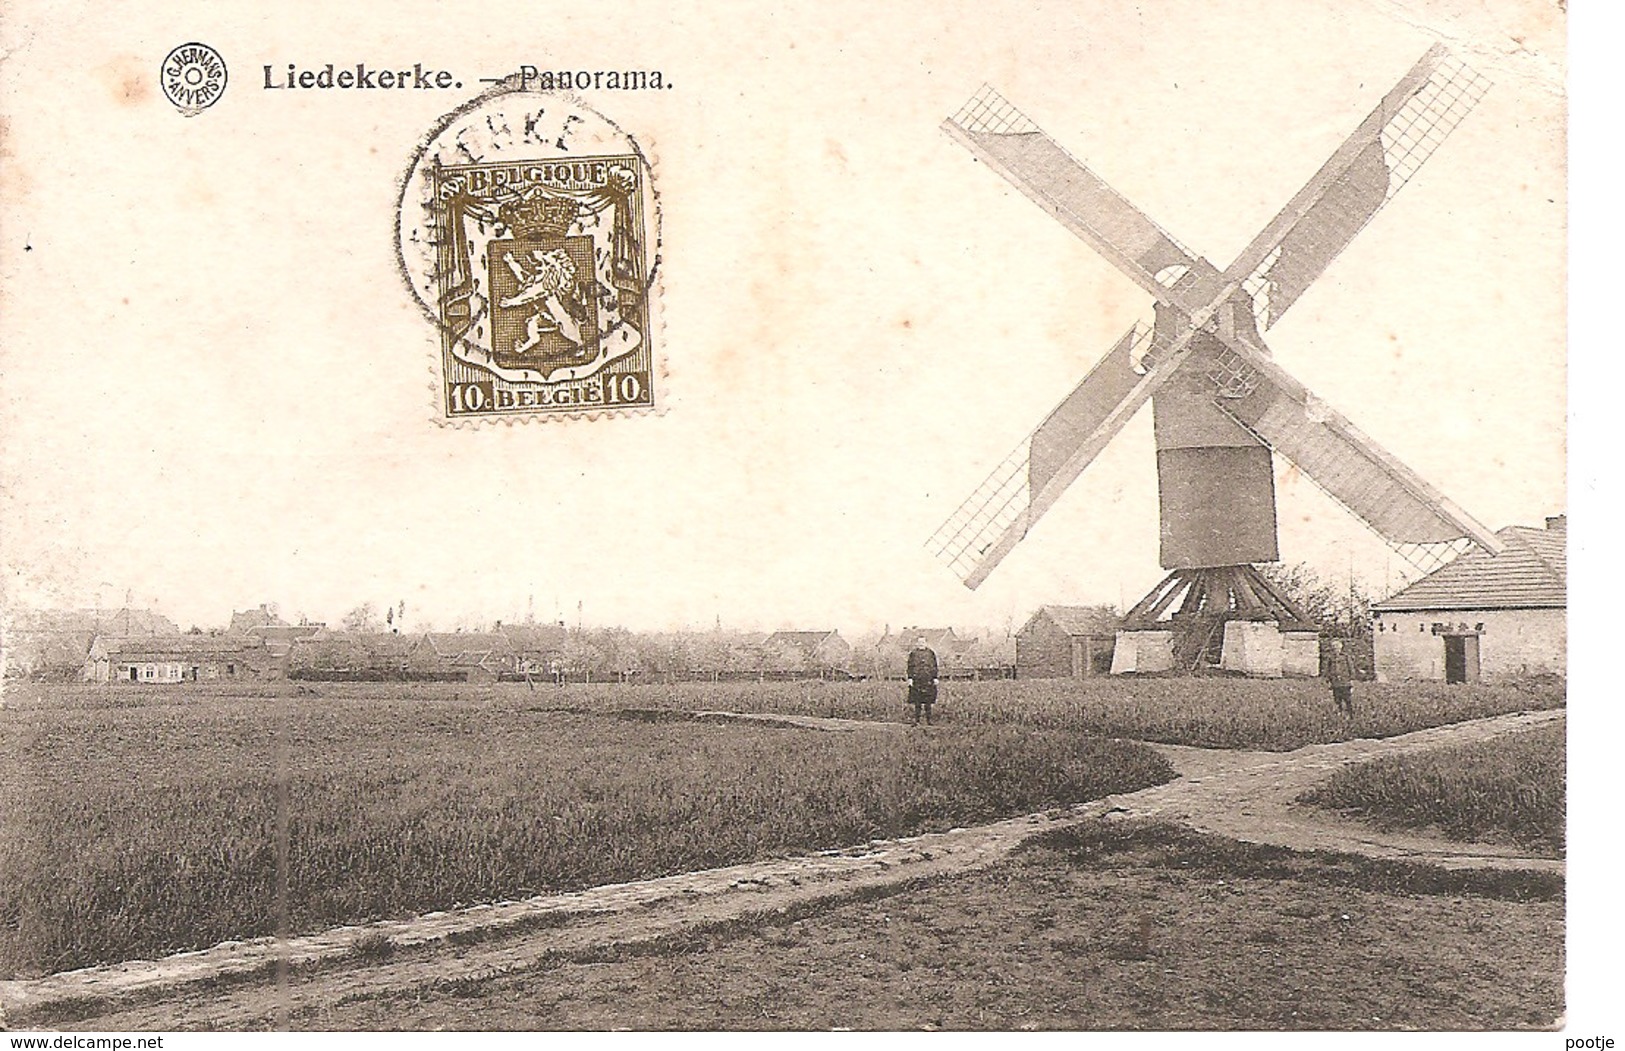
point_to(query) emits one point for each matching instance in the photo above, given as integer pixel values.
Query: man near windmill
(922, 678)
(1340, 675)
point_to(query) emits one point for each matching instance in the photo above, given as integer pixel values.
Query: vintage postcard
(979, 516)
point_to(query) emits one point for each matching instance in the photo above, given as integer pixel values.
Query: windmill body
(1222, 407)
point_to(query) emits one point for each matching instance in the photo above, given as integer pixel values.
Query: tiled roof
(179, 647)
(534, 638)
(454, 643)
(1531, 573)
(106, 622)
(1082, 620)
(806, 640)
(936, 638)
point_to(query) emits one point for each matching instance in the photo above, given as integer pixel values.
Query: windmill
(1221, 405)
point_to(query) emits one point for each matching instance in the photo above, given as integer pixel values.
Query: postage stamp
(529, 234)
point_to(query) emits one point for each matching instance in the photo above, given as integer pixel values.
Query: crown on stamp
(539, 215)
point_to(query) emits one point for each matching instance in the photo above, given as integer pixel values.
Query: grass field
(1110, 927)
(141, 821)
(1511, 789)
(147, 821)
(1212, 712)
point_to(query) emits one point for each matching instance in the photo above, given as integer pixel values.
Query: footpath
(1241, 795)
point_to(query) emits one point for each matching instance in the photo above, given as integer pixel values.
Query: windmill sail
(1363, 174)
(1352, 468)
(1006, 141)
(1026, 483)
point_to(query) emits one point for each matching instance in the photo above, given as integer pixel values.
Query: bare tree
(363, 618)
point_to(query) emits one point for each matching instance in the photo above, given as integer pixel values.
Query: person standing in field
(1340, 674)
(922, 679)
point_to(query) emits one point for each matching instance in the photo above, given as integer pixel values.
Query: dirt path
(1248, 796)
(1242, 795)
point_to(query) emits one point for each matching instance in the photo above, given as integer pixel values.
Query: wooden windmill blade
(1026, 483)
(1004, 139)
(1372, 483)
(1354, 184)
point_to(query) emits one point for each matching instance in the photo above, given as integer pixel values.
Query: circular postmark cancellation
(529, 234)
(193, 77)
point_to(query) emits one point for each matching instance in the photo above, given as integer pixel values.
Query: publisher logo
(193, 77)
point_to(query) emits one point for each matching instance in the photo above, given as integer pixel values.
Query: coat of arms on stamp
(527, 233)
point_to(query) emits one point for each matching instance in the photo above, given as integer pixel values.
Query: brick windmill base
(1229, 618)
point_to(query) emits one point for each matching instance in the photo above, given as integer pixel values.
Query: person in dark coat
(1340, 674)
(922, 679)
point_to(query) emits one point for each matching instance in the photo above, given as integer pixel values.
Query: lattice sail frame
(1408, 130)
(1421, 125)
(1003, 501)
(989, 111)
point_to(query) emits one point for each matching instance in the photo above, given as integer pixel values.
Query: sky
(218, 391)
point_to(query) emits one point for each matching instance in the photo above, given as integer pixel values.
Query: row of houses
(1479, 616)
(136, 647)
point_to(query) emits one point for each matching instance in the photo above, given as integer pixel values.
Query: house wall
(1043, 650)
(1512, 642)
(172, 670)
(149, 671)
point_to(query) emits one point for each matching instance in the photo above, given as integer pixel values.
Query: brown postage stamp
(529, 233)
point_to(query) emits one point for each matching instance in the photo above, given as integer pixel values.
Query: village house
(943, 641)
(57, 644)
(181, 658)
(955, 652)
(539, 650)
(1481, 616)
(816, 650)
(475, 656)
(1067, 642)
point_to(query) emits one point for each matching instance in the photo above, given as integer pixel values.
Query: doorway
(1460, 658)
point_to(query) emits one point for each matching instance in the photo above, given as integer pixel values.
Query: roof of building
(533, 638)
(181, 647)
(387, 643)
(936, 638)
(285, 633)
(106, 622)
(1080, 620)
(1531, 573)
(249, 619)
(805, 640)
(457, 643)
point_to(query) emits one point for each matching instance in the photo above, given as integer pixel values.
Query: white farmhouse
(1481, 616)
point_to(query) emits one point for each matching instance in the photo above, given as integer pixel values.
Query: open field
(1107, 927)
(148, 820)
(1509, 790)
(145, 821)
(1210, 712)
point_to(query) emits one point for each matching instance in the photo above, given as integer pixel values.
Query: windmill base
(1143, 652)
(1224, 618)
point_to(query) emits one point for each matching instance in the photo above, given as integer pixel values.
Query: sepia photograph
(964, 517)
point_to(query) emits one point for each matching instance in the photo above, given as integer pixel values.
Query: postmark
(529, 235)
(193, 77)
